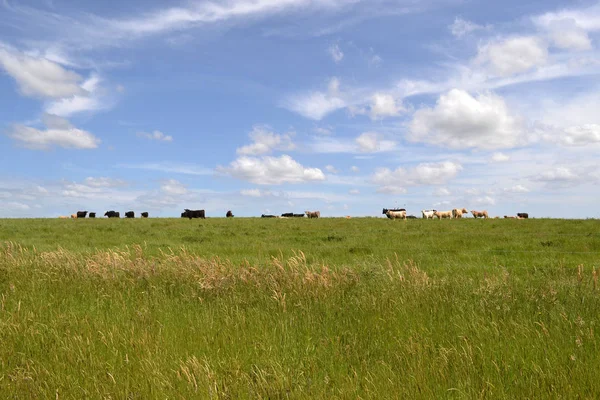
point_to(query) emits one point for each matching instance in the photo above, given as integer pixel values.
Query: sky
(273, 106)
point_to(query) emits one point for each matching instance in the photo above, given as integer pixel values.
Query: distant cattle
(522, 215)
(480, 214)
(129, 214)
(74, 216)
(428, 214)
(112, 214)
(145, 214)
(313, 214)
(194, 214)
(443, 214)
(396, 214)
(92, 215)
(510, 217)
(288, 215)
(81, 214)
(63, 217)
(298, 215)
(229, 214)
(458, 212)
(411, 217)
(268, 216)
(385, 210)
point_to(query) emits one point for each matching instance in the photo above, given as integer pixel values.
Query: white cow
(428, 214)
(396, 214)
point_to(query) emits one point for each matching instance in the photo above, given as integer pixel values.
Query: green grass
(329, 308)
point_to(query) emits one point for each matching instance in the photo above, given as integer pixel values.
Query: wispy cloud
(170, 167)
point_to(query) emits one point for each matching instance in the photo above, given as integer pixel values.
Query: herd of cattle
(456, 213)
(394, 213)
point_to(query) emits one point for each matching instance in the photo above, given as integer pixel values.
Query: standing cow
(313, 214)
(81, 214)
(129, 214)
(92, 215)
(145, 214)
(229, 214)
(194, 214)
(112, 214)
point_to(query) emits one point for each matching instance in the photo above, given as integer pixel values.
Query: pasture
(324, 308)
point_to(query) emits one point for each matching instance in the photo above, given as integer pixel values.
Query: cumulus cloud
(484, 201)
(316, 105)
(355, 169)
(514, 55)
(560, 176)
(336, 53)
(271, 170)
(372, 142)
(461, 27)
(499, 157)
(265, 141)
(460, 120)
(384, 105)
(397, 180)
(38, 76)
(59, 132)
(581, 135)
(156, 135)
(565, 34)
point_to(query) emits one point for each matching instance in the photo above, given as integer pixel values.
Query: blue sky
(272, 106)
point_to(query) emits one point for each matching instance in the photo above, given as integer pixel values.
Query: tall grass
(136, 320)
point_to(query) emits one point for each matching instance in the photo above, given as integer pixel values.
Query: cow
(194, 214)
(411, 217)
(112, 214)
(396, 214)
(298, 215)
(145, 214)
(92, 215)
(229, 214)
(74, 216)
(63, 217)
(458, 212)
(268, 216)
(184, 215)
(480, 214)
(428, 214)
(81, 214)
(523, 215)
(443, 214)
(385, 210)
(129, 214)
(510, 217)
(288, 215)
(313, 214)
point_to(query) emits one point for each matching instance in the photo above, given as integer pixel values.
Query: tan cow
(396, 214)
(313, 214)
(74, 216)
(443, 214)
(458, 212)
(480, 214)
(63, 217)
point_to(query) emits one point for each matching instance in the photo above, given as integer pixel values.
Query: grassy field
(329, 308)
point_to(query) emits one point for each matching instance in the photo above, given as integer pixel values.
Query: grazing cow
(458, 212)
(145, 214)
(411, 217)
(229, 214)
(510, 217)
(385, 210)
(63, 217)
(443, 214)
(480, 214)
(129, 214)
(396, 214)
(81, 214)
(112, 214)
(288, 215)
(428, 214)
(313, 214)
(92, 215)
(298, 215)
(523, 215)
(268, 216)
(194, 214)
(74, 216)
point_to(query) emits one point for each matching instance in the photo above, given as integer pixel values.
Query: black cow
(268, 216)
(112, 214)
(522, 215)
(81, 214)
(145, 215)
(129, 214)
(184, 215)
(385, 210)
(298, 215)
(411, 217)
(92, 215)
(229, 214)
(288, 215)
(194, 214)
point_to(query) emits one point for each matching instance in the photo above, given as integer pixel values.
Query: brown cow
(480, 214)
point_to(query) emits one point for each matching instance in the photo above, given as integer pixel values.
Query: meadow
(328, 308)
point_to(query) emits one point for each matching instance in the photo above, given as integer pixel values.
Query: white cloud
(39, 77)
(423, 174)
(316, 105)
(514, 55)
(484, 201)
(103, 182)
(581, 135)
(442, 192)
(173, 187)
(372, 142)
(565, 34)
(265, 141)
(59, 132)
(355, 169)
(331, 169)
(325, 131)
(336, 53)
(587, 19)
(169, 167)
(156, 135)
(255, 193)
(384, 105)
(354, 191)
(499, 157)
(516, 189)
(461, 27)
(90, 100)
(460, 120)
(271, 170)
(560, 176)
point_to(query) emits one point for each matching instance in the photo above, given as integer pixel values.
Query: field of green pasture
(273, 308)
